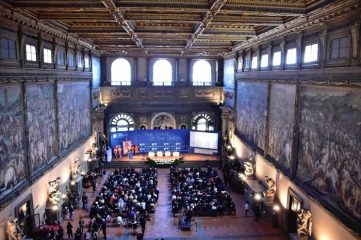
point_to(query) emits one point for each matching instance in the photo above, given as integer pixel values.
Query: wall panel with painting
(74, 113)
(251, 112)
(329, 157)
(12, 147)
(281, 123)
(229, 83)
(41, 125)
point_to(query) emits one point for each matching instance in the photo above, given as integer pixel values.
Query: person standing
(142, 223)
(81, 224)
(104, 228)
(93, 184)
(69, 230)
(84, 199)
(246, 207)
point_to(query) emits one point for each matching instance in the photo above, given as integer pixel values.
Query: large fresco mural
(41, 124)
(330, 145)
(12, 159)
(281, 121)
(228, 79)
(251, 111)
(74, 113)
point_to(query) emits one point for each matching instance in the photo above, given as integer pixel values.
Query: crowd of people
(127, 199)
(199, 192)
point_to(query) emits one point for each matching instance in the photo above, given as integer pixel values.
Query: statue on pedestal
(53, 191)
(304, 223)
(75, 171)
(249, 168)
(269, 194)
(13, 230)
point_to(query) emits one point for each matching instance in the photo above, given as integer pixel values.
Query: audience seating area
(127, 196)
(200, 192)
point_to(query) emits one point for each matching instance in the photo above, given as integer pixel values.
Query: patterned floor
(163, 225)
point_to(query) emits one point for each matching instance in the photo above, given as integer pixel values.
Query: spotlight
(276, 208)
(63, 196)
(229, 147)
(257, 197)
(231, 157)
(72, 183)
(55, 208)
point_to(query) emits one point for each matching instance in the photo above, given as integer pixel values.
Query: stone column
(21, 46)
(355, 33)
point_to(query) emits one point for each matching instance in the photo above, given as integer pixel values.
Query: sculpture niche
(304, 224)
(53, 192)
(269, 194)
(13, 230)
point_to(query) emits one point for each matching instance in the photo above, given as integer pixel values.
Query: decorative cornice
(304, 22)
(34, 23)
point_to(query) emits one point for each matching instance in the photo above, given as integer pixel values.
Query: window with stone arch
(203, 122)
(120, 72)
(202, 73)
(121, 122)
(162, 73)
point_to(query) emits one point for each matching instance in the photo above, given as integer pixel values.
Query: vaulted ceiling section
(169, 27)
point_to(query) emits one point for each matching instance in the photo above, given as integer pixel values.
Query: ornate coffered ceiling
(164, 27)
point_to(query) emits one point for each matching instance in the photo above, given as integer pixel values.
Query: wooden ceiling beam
(207, 19)
(119, 17)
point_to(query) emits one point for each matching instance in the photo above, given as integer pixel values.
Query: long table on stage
(185, 156)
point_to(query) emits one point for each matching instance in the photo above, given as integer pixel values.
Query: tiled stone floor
(164, 226)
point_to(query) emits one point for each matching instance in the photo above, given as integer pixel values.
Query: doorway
(24, 213)
(294, 205)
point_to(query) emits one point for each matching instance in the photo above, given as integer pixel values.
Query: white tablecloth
(167, 153)
(175, 154)
(150, 154)
(159, 154)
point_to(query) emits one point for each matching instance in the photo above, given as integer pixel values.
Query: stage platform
(186, 157)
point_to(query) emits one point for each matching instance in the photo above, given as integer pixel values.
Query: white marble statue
(269, 194)
(249, 168)
(53, 191)
(304, 223)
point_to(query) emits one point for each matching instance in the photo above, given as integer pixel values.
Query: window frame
(203, 83)
(79, 61)
(311, 44)
(121, 83)
(86, 61)
(262, 57)
(278, 51)
(60, 52)
(71, 56)
(158, 83)
(254, 60)
(32, 52)
(339, 38)
(46, 58)
(121, 117)
(8, 49)
(286, 56)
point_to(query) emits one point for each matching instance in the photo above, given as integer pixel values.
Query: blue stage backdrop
(154, 140)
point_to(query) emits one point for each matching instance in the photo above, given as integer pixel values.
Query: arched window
(121, 122)
(162, 73)
(202, 73)
(121, 74)
(202, 122)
